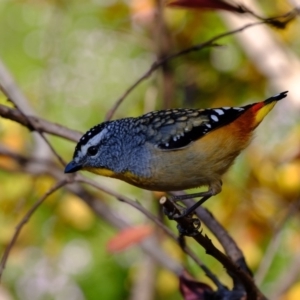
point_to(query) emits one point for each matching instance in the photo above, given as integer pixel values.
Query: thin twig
(156, 220)
(228, 243)
(24, 220)
(187, 223)
(32, 127)
(163, 45)
(10, 88)
(274, 243)
(100, 208)
(73, 135)
(286, 279)
(279, 22)
(39, 123)
(159, 63)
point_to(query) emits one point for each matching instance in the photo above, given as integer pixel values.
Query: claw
(191, 231)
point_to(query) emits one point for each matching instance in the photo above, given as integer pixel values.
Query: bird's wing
(176, 128)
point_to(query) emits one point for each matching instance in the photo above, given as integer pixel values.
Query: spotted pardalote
(172, 149)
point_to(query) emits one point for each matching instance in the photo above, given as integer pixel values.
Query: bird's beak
(72, 167)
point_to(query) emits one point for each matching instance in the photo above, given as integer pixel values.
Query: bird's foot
(190, 227)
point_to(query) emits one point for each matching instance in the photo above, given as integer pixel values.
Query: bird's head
(97, 151)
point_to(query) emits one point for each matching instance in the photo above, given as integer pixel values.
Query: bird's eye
(92, 151)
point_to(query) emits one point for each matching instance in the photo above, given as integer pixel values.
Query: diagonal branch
(100, 208)
(209, 43)
(64, 132)
(149, 215)
(39, 124)
(10, 89)
(186, 223)
(103, 211)
(25, 219)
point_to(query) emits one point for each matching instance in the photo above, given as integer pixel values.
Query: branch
(161, 62)
(287, 279)
(100, 208)
(272, 247)
(11, 90)
(139, 207)
(39, 124)
(186, 223)
(64, 132)
(228, 243)
(25, 219)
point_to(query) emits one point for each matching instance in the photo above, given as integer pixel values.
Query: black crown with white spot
(89, 135)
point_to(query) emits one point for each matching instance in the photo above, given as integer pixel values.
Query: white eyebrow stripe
(93, 141)
(219, 111)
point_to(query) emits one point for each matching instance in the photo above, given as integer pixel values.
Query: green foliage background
(73, 60)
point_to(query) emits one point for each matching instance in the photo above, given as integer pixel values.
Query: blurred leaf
(129, 237)
(73, 60)
(293, 293)
(75, 212)
(192, 289)
(167, 283)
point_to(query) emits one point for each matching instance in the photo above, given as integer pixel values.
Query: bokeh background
(72, 60)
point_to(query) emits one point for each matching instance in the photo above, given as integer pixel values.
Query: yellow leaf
(167, 282)
(76, 212)
(293, 293)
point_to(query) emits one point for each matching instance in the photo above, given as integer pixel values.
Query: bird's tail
(261, 109)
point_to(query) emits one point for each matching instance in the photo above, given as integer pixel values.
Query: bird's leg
(215, 188)
(178, 198)
(191, 209)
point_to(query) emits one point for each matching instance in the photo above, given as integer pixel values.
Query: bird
(173, 149)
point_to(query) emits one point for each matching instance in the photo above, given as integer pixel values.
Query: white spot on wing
(219, 111)
(208, 125)
(214, 118)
